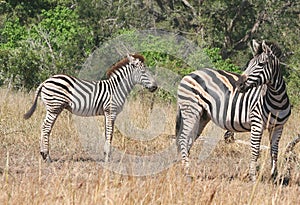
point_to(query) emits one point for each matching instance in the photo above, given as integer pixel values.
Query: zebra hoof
(229, 137)
(274, 176)
(46, 157)
(106, 157)
(285, 180)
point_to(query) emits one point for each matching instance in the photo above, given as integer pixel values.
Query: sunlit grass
(75, 178)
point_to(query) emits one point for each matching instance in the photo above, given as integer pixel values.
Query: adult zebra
(253, 101)
(91, 98)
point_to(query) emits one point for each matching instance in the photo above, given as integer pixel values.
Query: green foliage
(57, 44)
(293, 76)
(181, 66)
(109, 17)
(219, 63)
(165, 60)
(60, 27)
(44, 37)
(293, 87)
(12, 34)
(226, 20)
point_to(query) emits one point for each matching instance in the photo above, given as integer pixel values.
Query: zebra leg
(46, 130)
(204, 119)
(189, 117)
(256, 133)
(109, 129)
(275, 135)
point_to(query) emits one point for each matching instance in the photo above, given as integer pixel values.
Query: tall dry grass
(75, 178)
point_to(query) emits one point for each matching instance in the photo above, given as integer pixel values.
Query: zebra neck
(121, 85)
(277, 87)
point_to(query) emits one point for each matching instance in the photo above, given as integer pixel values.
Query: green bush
(293, 85)
(292, 77)
(12, 34)
(56, 44)
(216, 58)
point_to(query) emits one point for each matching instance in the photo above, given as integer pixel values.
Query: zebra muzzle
(152, 88)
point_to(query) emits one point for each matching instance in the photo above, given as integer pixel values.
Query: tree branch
(238, 14)
(240, 11)
(161, 5)
(187, 4)
(262, 17)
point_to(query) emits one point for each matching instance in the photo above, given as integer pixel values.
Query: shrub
(57, 44)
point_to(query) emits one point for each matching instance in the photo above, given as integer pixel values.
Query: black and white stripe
(91, 98)
(254, 101)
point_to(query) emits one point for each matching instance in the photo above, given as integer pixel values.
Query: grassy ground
(76, 178)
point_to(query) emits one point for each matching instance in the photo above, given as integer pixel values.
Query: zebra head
(141, 75)
(262, 68)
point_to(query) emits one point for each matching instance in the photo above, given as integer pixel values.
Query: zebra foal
(91, 98)
(251, 102)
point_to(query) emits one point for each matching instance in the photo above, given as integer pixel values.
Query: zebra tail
(28, 114)
(178, 127)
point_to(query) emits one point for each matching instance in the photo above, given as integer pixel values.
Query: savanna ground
(75, 178)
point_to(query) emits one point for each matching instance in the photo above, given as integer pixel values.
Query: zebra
(91, 98)
(251, 102)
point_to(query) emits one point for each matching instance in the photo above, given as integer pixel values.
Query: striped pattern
(254, 101)
(91, 98)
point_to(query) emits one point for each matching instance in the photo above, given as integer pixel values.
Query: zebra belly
(233, 125)
(229, 116)
(84, 111)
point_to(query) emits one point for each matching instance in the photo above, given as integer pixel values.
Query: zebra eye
(261, 64)
(142, 68)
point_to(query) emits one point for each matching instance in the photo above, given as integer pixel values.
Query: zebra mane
(122, 63)
(275, 50)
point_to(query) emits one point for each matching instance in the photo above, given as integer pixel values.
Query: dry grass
(75, 178)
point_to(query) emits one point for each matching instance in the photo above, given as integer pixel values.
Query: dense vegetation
(43, 37)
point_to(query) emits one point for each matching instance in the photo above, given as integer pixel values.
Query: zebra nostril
(153, 88)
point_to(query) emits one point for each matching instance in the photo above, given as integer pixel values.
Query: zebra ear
(266, 48)
(130, 58)
(256, 47)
